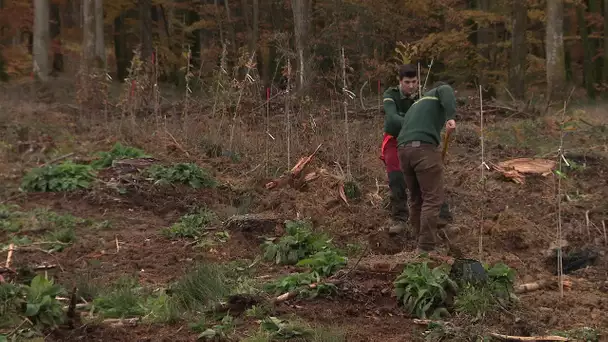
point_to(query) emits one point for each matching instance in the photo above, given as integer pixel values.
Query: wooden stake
(267, 131)
(345, 104)
(560, 157)
(287, 120)
(483, 178)
(605, 236)
(587, 223)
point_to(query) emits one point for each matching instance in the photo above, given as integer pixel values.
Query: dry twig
(529, 338)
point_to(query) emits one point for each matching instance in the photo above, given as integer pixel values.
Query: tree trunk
(120, 48)
(145, 13)
(246, 20)
(88, 35)
(100, 47)
(605, 41)
(55, 31)
(230, 25)
(301, 17)
(588, 78)
(554, 41)
(255, 30)
(595, 7)
(41, 40)
(519, 49)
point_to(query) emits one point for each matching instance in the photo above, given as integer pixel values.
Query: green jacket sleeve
(392, 119)
(447, 98)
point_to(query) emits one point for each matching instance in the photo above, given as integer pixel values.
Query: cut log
(516, 169)
(258, 223)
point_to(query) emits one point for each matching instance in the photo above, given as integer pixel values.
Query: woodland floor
(519, 227)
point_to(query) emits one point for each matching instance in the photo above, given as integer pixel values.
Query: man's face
(409, 85)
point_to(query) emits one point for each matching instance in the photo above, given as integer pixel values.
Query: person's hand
(450, 126)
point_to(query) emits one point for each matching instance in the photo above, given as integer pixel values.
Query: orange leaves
(16, 15)
(18, 61)
(482, 18)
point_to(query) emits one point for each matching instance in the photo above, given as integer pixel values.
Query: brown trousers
(423, 170)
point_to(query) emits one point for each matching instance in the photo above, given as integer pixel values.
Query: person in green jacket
(418, 145)
(396, 102)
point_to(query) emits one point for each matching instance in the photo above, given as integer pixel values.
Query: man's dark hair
(407, 70)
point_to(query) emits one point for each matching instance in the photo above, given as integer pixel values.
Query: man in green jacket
(418, 144)
(396, 102)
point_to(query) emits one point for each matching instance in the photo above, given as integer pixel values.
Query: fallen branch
(537, 285)
(35, 268)
(292, 294)
(119, 322)
(9, 257)
(177, 145)
(52, 161)
(342, 193)
(529, 338)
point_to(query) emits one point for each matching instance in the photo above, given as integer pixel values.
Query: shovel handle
(446, 140)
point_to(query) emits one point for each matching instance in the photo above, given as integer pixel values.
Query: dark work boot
(445, 216)
(399, 210)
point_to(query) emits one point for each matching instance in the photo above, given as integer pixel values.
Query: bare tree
(256, 25)
(100, 48)
(41, 39)
(145, 13)
(301, 19)
(88, 36)
(519, 49)
(556, 70)
(605, 41)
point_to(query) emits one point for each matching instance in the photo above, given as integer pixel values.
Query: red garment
(388, 153)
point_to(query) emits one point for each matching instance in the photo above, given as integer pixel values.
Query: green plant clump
(184, 173)
(66, 176)
(298, 243)
(476, 299)
(191, 225)
(423, 291)
(37, 302)
(118, 151)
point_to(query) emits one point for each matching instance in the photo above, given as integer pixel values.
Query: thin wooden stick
(287, 120)
(483, 178)
(605, 236)
(267, 131)
(345, 104)
(529, 338)
(560, 157)
(587, 223)
(427, 74)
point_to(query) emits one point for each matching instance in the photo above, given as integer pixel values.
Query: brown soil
(519, 225)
